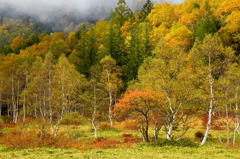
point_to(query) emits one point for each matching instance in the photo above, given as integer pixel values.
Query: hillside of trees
(157, 68)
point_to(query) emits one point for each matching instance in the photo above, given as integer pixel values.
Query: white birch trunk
(63, 101)
(24, 97)
(110, 99)
(50, 99)
(236, 120)
(95, 110)
(8, 107)
(170, 128)
(17, 104)
(13, 101)
(228, 130)
(211, 103)
(35, 107)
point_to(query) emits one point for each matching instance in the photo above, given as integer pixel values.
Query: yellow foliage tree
(17, 42)
(181, 36)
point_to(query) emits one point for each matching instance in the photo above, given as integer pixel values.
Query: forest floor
(121, 143)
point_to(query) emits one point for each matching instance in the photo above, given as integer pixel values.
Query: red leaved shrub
(128, 139)
(222, 123)
(104, 126)
(205, 120)
(129, 125)
(14, 139)
(126, 136)
(103, 143)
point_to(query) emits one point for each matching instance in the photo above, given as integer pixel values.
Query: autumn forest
(160, 75)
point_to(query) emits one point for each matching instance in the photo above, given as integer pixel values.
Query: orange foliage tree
(139, 105)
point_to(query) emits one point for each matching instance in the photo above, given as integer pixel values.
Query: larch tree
(122, 12)
(146, 9)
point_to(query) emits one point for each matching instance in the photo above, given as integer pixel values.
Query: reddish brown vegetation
(129, 125)
(205, 120)
(17, 140)
(104, 126)
(103, 143)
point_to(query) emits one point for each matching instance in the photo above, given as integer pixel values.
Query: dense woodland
(156, 68)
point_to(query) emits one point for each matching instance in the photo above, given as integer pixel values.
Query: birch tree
(208, 58)
(112, 82)
(167, 73)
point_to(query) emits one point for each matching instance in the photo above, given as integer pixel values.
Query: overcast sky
(76, 4)
(48, 10)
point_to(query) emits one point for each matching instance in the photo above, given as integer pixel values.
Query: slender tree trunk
(50, 99)
(147, 138)
(155, 130)
(8, 107)
(142, 130)
(110, 99)
(95, 110)
(17, 104)
(170, 127)
(24, 97)
(63, 101)
(228, 130)
(236, 120)
(226, 109)
(35, 107)
(44, 104)
(220, 138)
(144, 138)
(13, 102)
(211, 103)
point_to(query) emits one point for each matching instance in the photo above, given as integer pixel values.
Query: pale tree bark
(110, 98)
(8, 107)
(170, 127)
(35, 106)
(42, 101)
(63, 102)
(13, 102)
(94, 109)
(170, 119)
(228, 130)
(211, 102)
(226, 109)
(50, 98)
(17, 104)
(144, 130)
(236, 120)
(24, 96)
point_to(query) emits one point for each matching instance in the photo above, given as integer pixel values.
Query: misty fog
(72, 11)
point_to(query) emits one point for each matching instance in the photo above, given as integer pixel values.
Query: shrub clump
(129, 125)
(199, 135)
(128, 139)
(73, 119)
(179, 143)
(103, 143)
(15, 139)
